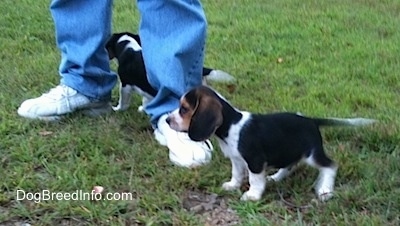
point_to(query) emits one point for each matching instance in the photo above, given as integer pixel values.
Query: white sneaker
(182, 150)
(59, 101)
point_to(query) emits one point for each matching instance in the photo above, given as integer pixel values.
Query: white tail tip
(221, 76)
(361, 121)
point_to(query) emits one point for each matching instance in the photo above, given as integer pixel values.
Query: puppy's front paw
(325, 193)
(250, 196)
(116, 108)
(120, 107)
(271, 178)
(230, 185)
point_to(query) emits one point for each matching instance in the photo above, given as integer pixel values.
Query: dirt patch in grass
(211, 208)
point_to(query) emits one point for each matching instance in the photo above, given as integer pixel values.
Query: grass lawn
(338, 58)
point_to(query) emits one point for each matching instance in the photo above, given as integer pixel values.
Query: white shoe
(182, 150)
(59, 101)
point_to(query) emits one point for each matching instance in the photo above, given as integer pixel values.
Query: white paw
(140, 108)
(325, 193)
(248, 196)
(271, 178)
(120, 107)
(230, 186)
(116, 108)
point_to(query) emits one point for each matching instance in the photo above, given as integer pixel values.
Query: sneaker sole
(91, 112)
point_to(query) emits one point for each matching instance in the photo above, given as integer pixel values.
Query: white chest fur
(229, 145)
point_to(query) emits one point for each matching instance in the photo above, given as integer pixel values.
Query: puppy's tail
(218, 76)
(344, 121)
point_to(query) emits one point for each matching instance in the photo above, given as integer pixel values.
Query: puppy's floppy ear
(136, 37)
(206, 118)
(111, 45)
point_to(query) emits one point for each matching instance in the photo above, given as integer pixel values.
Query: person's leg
(173, 36)
(81, 28)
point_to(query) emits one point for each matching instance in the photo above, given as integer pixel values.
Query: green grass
(340, 58)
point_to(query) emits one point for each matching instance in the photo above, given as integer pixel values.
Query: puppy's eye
(183, 110)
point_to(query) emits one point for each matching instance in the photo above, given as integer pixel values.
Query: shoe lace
(58, 92)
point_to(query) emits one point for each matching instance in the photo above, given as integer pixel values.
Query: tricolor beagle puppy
(126, 48)
(254, 142)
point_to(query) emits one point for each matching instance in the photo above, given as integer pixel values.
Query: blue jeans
(173, 34)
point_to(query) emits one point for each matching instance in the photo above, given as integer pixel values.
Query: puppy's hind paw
(140, 108)
(247, 196)
(230, 186)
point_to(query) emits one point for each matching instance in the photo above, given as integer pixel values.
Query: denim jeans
(173, 34)
(82, 27)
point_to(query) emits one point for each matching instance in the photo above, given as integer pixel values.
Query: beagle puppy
(254, 142)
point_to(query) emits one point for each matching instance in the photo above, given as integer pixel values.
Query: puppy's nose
(168, 120)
